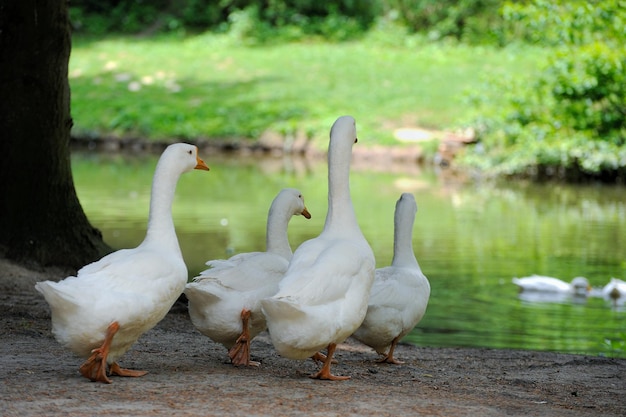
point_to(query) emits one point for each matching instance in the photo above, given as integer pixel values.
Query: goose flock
(309, 300)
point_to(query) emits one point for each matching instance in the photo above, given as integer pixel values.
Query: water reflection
(552, 297)
(470, 238)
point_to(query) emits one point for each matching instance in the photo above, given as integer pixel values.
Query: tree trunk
(41, 220)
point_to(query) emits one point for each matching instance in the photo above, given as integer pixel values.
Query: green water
(470, 238)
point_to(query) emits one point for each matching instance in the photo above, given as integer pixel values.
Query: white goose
(323, 297)
(543, 284)
(400, 292)
(615, 291)
(109, 304)
(225, 300)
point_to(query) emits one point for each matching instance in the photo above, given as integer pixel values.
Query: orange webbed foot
(324, 373)
(328, 376)
(116, 370)
(388, 357)
(240, 355)
(95, 367)
(240, 352)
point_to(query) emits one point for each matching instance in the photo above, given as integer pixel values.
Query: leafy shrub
(616, 346)
(571, 122)
(472, 21)
(255, 25)
(260, 21)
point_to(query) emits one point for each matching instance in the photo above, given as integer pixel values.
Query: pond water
(470, 238)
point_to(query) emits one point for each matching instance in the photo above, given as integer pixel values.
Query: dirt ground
(190, 376)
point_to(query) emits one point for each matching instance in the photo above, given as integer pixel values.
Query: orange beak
(201, 165)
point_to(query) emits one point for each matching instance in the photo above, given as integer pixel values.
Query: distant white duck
(225, 300)
(400, 292)
(539, 283)
(323, 297)
(109, 304)
(614, 290)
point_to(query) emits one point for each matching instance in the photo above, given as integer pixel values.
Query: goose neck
(276, 238)
(160, 223)
(340, 209)
(402, 244)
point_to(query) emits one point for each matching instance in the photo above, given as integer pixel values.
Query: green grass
(212, 86)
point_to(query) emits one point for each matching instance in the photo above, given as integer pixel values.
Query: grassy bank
(213, 86)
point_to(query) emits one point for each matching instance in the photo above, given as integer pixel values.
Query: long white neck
(340, 214)
(276, 238)
(403, 255)
(160, 223)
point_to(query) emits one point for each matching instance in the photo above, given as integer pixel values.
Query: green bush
(571, 121)
(471, 21)
(99, 18)
(260, 21)
(255, 25)
(564, 22)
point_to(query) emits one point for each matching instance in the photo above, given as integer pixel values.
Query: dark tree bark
(41, 220)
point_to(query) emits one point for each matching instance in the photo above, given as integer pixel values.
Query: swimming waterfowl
(615, 291)
(539, 283)
(102, 311)
(400, 292)
(323, 297)
(225, 300)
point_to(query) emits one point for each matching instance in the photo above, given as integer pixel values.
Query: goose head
(406, 204)
(580, 286)
(295, 202)
(342, 138)
(343, 132)
(182, 157)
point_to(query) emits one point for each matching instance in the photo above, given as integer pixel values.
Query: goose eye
(190, 152)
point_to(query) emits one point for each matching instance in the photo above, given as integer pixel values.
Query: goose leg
(388, 358)
(324, 373)
(320, 357)
(240, 353)
(95, 366)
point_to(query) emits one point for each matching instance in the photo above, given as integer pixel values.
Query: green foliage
(615, 347)
(473, 21)
(98, 17)
(565, 22)
(570, 121)
(590, 90)
(254, 26)
(258, 21)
